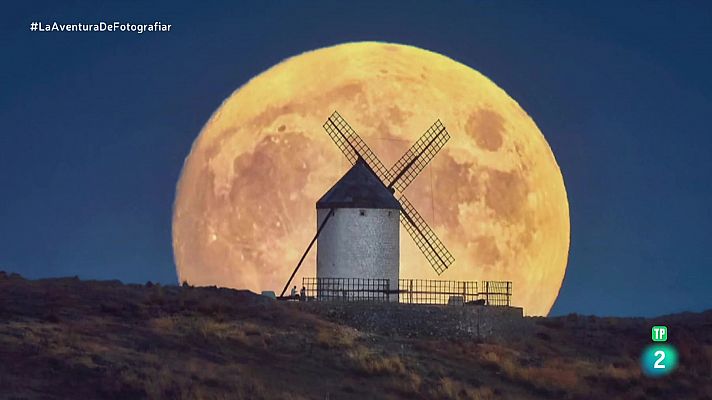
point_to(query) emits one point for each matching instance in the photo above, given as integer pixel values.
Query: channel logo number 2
(659, 362)
(659, 358)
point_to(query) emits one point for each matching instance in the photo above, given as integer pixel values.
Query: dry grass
(553, 376)
(409, 384)
(626, 373)
(163, 325)
(451, 389)
(366, 362)
(549, 378)
(333, 337)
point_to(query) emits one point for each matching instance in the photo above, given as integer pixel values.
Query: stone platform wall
(417, 320)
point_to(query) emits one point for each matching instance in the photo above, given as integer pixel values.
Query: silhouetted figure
(293, 295)
(303, 294)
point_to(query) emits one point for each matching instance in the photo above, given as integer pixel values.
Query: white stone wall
(353, 245)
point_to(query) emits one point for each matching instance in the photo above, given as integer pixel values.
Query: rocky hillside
(66, 338)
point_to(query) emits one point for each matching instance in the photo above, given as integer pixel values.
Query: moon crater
(487, 127)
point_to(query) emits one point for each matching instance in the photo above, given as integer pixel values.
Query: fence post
(509, 293)
(486, 292)
(410, 292)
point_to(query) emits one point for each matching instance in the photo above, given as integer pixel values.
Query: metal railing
(426, 291)
(496, 293)
(409, 291)
(348, 289)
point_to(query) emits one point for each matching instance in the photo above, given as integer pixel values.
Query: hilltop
(68, 338)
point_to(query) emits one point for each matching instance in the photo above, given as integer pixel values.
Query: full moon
(245, 201)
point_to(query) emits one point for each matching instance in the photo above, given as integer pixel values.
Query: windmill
(369, 185)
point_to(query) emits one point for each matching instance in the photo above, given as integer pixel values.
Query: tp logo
(660, 333)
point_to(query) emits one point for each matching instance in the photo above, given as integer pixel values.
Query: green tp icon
(660, 333)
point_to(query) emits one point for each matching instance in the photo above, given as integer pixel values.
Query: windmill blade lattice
(418, 156)
(427, 241)
(399, 177)
(353, 147)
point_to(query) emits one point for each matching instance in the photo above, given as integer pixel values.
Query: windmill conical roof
(359, 188)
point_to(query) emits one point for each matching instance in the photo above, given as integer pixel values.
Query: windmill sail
(427, 241)
(418, 156)
(353, 147)
(399, 177)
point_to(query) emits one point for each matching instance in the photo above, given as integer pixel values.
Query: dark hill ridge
(67, 338)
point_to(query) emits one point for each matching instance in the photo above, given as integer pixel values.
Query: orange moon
(245, 202)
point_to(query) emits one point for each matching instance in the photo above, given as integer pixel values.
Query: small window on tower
(389, 213)
(362, 212)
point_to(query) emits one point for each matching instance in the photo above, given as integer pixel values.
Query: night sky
(95, 126)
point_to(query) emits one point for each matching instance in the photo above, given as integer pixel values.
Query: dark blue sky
(95, 126)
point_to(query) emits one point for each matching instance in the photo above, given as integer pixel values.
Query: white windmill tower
(361, 240)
